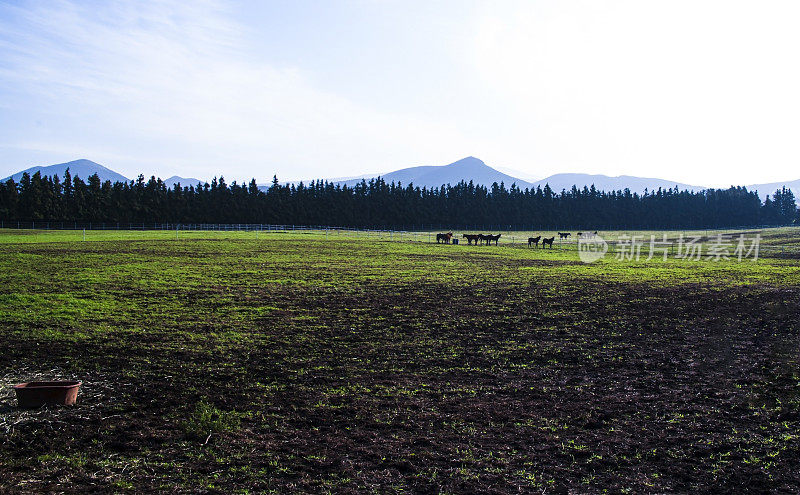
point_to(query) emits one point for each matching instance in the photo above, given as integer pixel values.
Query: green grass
(207, 419)
(355, 363)
(67, 289)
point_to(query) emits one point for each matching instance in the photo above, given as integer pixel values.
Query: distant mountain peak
(467, 161)
(474, 169)
(82, 167)
(467, 169)
(85, 168)
(183, 181)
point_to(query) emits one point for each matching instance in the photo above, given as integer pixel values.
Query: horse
(489, 238)
(444, 237)
(549, 241)
(472, 237)
(534, 241)
(563, 235)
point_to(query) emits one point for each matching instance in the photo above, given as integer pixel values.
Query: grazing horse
(549, 241)
(489, 238)
(444, 237)
(534, 241)
(472, 237)
(564, 235)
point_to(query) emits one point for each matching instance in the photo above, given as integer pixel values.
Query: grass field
(222, 362)
(774, 242)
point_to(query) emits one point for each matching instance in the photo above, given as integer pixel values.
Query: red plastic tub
(36, 394)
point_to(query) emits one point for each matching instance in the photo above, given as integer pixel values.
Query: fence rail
(60, 225)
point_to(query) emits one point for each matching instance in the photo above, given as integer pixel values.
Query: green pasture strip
(74, 289)
(773, 241)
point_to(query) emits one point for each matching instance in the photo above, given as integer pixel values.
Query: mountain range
(84, 168)
(77, 168)
(471, 168)
(466, 169)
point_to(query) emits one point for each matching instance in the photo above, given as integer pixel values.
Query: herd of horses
(476, 238)
(488, 238)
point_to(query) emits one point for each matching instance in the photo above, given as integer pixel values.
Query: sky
(700, 92)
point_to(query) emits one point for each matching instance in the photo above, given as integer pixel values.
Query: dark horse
(549, 241)
(534, 241)
(444, 237)
(489, 238)
(563, 235)
(472, 238)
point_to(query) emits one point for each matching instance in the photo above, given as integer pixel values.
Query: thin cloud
(181, 86)
(697, 92)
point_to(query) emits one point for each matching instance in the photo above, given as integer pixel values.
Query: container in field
(37, 394)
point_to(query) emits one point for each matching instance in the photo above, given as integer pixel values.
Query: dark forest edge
(375, 203)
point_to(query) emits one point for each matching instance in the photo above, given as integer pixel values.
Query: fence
(247, 227)
(59, 225)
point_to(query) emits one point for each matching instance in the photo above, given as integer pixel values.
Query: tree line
(378, 204)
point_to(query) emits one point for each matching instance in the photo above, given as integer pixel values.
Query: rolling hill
(85, 168)
(768, 189)
(559, 182)
(466, 169)
(472, 168)
(183, 181)
(77, 168)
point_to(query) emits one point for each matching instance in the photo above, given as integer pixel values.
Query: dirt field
(290, 363)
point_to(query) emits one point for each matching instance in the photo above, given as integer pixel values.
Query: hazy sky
(702, 92)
